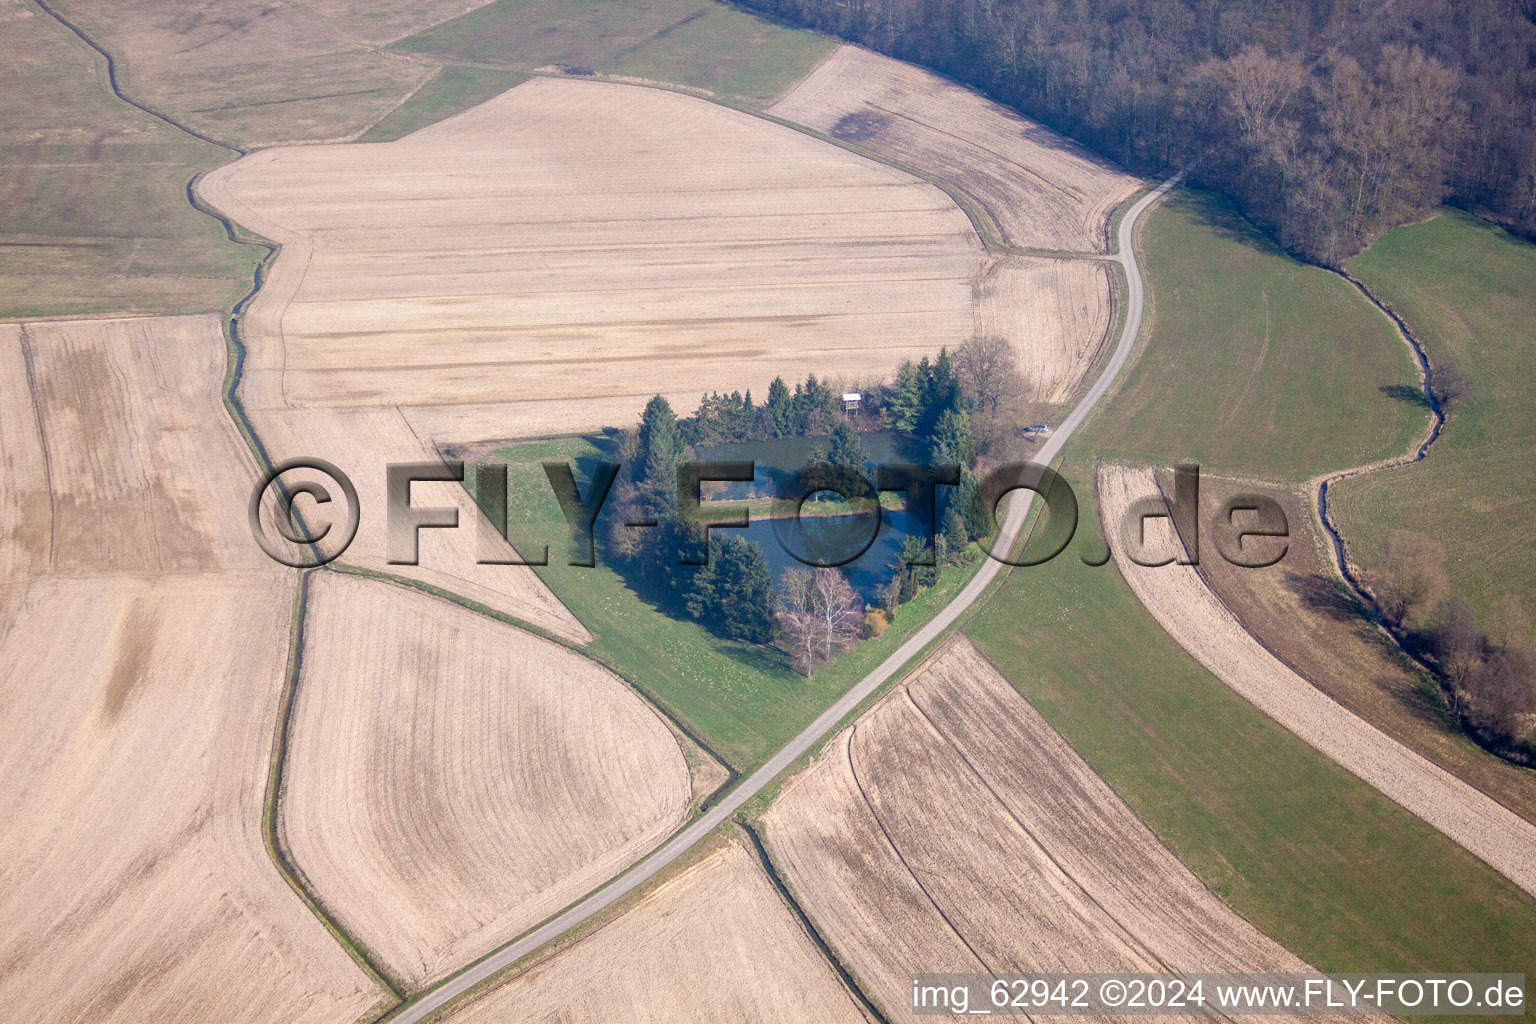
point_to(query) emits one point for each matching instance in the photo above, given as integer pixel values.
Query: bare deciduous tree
(1502, 694)
(1509, 625)
(1411, 576)
(988, 371)
(1449, 385)
(820, 615)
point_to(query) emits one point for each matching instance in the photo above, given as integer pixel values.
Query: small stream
(1324, 511)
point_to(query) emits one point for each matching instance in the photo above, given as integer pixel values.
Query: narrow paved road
(749, 787)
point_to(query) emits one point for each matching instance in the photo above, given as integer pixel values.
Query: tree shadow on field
(1328, 596)
(1412, 688)
(1406, 394)
(770, 661)
(1224, 220)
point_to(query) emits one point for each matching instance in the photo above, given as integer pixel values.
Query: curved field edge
(1254, 365)
(740, 701)
(450, 779)
(955, 751)
(234, 373)
(285, 866)
(1368, 370)
(236, 351)
(99, 228)
(271, 815)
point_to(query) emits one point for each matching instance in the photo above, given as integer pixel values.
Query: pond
(776, 460)
(821, 538)
(781, 540)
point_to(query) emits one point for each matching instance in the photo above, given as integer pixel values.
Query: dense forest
(1326, 121)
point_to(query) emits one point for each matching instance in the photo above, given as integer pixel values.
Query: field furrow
(953, 815)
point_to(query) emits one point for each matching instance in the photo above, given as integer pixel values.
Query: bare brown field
(135, 885)
(574, 241)
(134, 879)
(362, 443)
(120, 457)
(1043, 190)
(1191, 614)
(26, 511)
(1301, 611)
(129, 462)
(1057, 315)
(715, 943)
(951, 829)
(251, 73)
(451, 780)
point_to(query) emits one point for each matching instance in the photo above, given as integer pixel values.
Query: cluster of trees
(820, 616)
(936, 399)
(814, 614)
(1487, 677)
(812, 408)
(1327, 121)
(733, 594)
(925, 399)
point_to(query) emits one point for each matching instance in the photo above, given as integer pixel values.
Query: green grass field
(94, 216)
(1467, 290)
(1311, 855)
(741, 700)
(708, 45)
(451, 90)
(1256, 365)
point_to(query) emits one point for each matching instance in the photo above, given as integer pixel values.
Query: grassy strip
(452, 90)
(1311, 855)
(843, 973)
(270, 820)
(710, 46)
(94, 222)
(271, 829)
(766, 508)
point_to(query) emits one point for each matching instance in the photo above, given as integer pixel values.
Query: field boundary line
(1132, 940)
(506, 619)
(982, 222)
(271, 811)
(765, 861)
(1347, 569)
(234, 364)
(885, 833)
